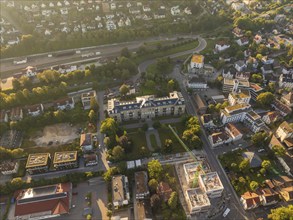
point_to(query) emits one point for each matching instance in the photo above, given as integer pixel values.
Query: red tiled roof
(233, 129)
(251, 198)
(55, 205)
(164, 190)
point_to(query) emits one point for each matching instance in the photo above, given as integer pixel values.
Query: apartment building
(146, 107)
(211, 184)
(120, 191)
(197, 200)
(65, 160)
(239, 97)
(253, 121)
(288, 99)
(283, 109)
(86, 99)
(191, 172)
(141, 185)
(86, 142)
(38, 163)
(234, 113)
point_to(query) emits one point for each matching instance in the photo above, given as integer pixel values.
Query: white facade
(221, 47)
(211, 184)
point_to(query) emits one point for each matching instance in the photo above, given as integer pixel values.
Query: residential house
(86, 142)
(164, 191)
(221, 46)
(197, 201)
(64, 104)
(86, 99)
(30, 71)
(146, 107)
(197, 61)
(161, 14)
(242, 75)
(284, 131)
(267, 60)
(175, 10)
(288, 99)
(207, 120)
(253, 158)
(44, 202)
(34, 110)
(187, 11)
(266, 69)
(134, 10)
(287, 193)
(113, 6)
(250, 200)
(146, 8)
(268, 196)
(38, 163)
(283, 109)
(211, 184)
(271, 117)
(242, 41)
(229, 73)
(3, 116)
(65, 160)
(237, 32)
(120, 191)
(16, 114)
(238, 6)
(257, 39)
(141, 185)
(240, 65)
(219, 138)
(254, 90)
(197, 83)
(8, 167)
(110, 25)
(286, 80)
(233, 132)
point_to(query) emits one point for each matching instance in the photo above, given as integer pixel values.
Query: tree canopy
(155, 169)
(281, 213)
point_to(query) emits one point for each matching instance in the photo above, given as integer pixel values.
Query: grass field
(139, 140)
(153, 141)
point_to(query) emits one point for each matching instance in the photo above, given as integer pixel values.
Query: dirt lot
(56, 134)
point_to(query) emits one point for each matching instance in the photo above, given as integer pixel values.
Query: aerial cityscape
(146, 109)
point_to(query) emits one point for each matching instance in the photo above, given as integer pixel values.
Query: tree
(107, 141)
(153, 184)
(172, 202)
(211, 108)
(125, 52)
(242, 181)
(253, 185)
(109, 126)
(16, 183)
(109, 214)
(171, 85)
(281, 213)
(168, 145)
(89, 217)
(118, 153)
(110, 173)
(124, 89)
(94, 104)
(155, 169)
(259, 139)
(155, 201)
(244, 165)
(143, 151)
(92, 116)
(279, 150)
(266, 164)
(256, 78)
(265, 99)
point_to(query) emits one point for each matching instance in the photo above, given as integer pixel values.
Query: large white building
(197, 200)
(197, 61)
(211, 184)
(146, 107)
(284, 131)
(235, 113)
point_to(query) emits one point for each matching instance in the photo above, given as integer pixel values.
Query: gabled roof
(251, 199)
(85, 139)
(254, 159)
(233, 130)
(288, 97)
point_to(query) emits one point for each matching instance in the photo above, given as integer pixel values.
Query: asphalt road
(110, 50)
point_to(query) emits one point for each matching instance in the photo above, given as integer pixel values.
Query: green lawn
(153, 141)
(165, 133)
(139, 140)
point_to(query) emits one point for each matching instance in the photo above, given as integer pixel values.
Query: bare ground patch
(56, 134)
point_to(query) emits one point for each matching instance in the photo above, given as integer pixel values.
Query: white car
(261, 150)
(226, 212)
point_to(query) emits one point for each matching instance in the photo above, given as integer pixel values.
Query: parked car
(261, 150)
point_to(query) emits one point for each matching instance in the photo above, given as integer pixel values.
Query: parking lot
(98, 188)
